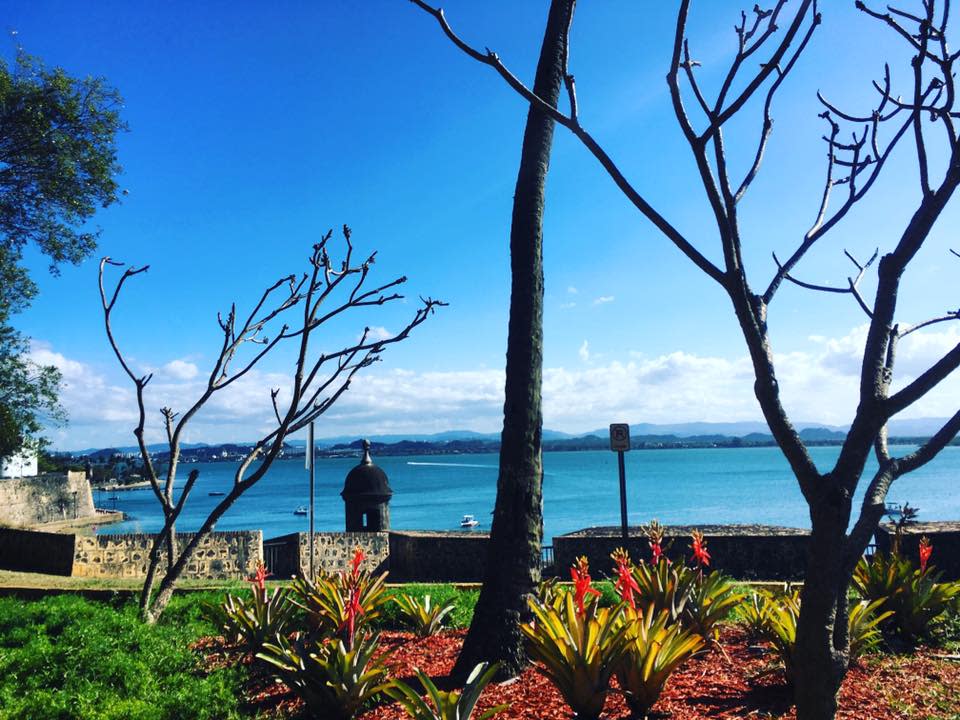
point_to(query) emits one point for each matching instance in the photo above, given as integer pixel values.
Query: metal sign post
(620, 443)
(311, 457)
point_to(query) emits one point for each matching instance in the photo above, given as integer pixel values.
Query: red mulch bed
(743, 680)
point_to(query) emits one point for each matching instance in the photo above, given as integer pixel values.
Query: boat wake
(446, 464)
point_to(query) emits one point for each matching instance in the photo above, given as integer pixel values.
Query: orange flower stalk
(655, 532)
(926, 550)
(358, 557)
(626, 585)
(580, 573)
(699, 547)
(260, 576)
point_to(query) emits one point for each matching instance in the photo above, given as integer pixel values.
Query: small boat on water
(469, 521)
(302, 510)
(216, 493)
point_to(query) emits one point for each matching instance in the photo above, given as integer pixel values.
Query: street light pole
(310, 463)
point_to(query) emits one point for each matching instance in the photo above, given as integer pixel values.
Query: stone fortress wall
(745, 552)
(220, 555)
(45, 499)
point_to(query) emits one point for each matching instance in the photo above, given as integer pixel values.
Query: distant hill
(643, 435)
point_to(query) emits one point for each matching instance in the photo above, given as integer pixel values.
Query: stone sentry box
(746, 552)
(366, 496)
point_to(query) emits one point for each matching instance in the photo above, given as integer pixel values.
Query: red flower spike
(625, 585)
(699, 547)
(580, 573)
(926, 550)
(655, 532)
(260, 576)
(358, 557)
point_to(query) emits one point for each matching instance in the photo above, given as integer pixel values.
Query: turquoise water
(745, 485)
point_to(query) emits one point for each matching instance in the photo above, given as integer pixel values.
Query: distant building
(24, 464)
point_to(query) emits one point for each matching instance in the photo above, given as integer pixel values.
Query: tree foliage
(58, 165)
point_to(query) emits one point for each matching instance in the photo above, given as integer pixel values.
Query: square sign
(619, 437)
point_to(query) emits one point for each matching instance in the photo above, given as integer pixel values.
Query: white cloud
(572, 290)
(584, 351)
(181, 369)
(818, 384)
(376, 333)
(603, 300)
(567, 305)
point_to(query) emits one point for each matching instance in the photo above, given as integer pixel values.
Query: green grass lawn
(66, 656)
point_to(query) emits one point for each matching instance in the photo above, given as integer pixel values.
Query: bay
(581, 489)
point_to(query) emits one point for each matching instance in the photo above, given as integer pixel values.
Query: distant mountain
(699, 434)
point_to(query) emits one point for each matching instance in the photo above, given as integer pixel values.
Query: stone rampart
(219, 556)
(452, 556)
(746, 552)
(289, 555)
(44, 499)
(944, 536)
(40, 552)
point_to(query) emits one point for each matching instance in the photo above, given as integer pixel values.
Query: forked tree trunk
(513, 557)
(821, 656)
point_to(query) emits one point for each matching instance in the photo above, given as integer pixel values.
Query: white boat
(302, 510)
(469, 521)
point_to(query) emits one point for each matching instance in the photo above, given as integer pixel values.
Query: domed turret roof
(366, 479)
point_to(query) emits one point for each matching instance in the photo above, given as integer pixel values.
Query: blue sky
(254, 128)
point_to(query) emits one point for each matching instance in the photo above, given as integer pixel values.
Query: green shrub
(774, 619)
(441, 594)
(915, 596)
(656, 648)
(452, 705)
(578, 644)
(424, 617)
(334, 681)
(712, 599)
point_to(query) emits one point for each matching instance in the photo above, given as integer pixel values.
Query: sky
(254, 128)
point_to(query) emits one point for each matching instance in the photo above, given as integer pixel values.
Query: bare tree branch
(303, 403)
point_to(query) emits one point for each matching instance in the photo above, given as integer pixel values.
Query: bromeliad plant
(711, 600)
(664, 586)
(656, 647)
(333, 680)
(342, 603)
(578, 644)
(774, 619)
(914, 595)
(251, 625)
(424, 618)
(452, 705)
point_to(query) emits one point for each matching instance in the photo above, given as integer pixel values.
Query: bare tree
(838, 539)
(326, 291)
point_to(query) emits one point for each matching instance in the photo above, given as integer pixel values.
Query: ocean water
(581, 489)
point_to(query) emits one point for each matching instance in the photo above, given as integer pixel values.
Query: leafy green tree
(58, 164)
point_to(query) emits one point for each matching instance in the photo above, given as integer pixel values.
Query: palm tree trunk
(513, 560)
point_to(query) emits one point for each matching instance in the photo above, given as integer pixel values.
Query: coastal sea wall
(219, 556)
(944, 536)
(45, 499)
(289, 555)
(746, 552)
(452, 556)
(39, 552)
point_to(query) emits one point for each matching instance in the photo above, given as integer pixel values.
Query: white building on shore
(21, 465)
